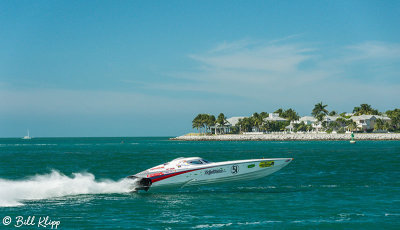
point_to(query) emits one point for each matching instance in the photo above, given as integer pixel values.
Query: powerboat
(182, 172)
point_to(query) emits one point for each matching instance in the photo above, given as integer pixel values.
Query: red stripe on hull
(173, 174)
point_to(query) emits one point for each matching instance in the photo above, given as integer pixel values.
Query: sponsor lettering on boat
(155, 174)
(266, 164)
(251, 166)
(214, 171)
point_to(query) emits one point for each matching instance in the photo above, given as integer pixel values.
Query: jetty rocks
(289, 137)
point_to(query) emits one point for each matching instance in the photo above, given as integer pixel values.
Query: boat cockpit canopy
(189, 161)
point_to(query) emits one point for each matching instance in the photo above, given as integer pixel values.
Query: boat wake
(55, 184)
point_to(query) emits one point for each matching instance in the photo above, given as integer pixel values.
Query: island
(365, 123)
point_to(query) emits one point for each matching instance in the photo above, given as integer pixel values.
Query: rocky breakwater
(290, 136)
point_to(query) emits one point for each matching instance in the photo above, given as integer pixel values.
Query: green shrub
(341, 130)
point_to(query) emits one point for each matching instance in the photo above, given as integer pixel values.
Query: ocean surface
(79, 184)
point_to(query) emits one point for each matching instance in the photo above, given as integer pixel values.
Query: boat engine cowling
(141, 183)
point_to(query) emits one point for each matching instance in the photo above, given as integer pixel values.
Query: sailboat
(27, 137)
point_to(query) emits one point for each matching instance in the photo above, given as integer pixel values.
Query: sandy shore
(291, 136)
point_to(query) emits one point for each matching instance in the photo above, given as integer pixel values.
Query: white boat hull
(221, 172)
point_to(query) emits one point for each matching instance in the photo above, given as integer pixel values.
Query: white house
(227, 127)
(308, 120)
(331, 118)
(234, 120)
(274, 117)
(367, 122)
(290, 128)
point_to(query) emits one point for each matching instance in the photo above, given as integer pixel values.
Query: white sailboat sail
(27, 137)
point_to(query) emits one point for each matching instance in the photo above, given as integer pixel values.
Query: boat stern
(140, 183)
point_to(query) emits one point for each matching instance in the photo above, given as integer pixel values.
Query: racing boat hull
(174, 174)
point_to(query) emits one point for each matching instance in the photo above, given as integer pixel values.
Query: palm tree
(394, 116)
(279, 111)
(386, 126)
(356, 109)
(341, 121)
(319, 108)
(290, 114)
(334, 125)
(257, 120)
(379, 124)
(264, 115)
(221, 120)
(203, 121)
(245, 124)
(209, 120)
(320, 117)
(352, 125)
(196, 123)
(365, 109)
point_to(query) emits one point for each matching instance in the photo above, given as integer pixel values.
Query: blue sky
(146, 68)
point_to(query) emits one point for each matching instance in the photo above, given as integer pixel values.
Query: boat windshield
(196, 162)
(199, 162)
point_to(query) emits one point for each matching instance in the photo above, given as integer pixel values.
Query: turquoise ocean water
(80, 183)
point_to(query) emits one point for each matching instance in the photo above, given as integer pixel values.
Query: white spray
(55, 184)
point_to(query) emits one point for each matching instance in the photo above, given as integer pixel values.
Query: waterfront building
(274, 117)
(226, 128)
(367, 122)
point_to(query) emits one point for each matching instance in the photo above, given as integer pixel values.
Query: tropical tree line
(319, 112)
(203, 122)
(394, 116)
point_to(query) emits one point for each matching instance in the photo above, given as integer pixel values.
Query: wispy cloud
(272, 58)
(375, 50)
(293, 73)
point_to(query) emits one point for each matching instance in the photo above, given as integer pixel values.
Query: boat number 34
(235, 169)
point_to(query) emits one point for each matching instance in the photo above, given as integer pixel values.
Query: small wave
(55, 184)
(238, 223)
(329, 186)
(345, 215)
(45, 144)
(258, 222)
(392, 214)
(271, 187)
(257, 188)
(213, 225)
(17, 145)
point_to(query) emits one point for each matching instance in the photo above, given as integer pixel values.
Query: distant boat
(27, 137)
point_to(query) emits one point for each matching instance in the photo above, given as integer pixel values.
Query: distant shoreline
(290, 137)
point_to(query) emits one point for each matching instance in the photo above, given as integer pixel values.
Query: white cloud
(229, 46)
(375, 50)
(294, 74)
(271, 58)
